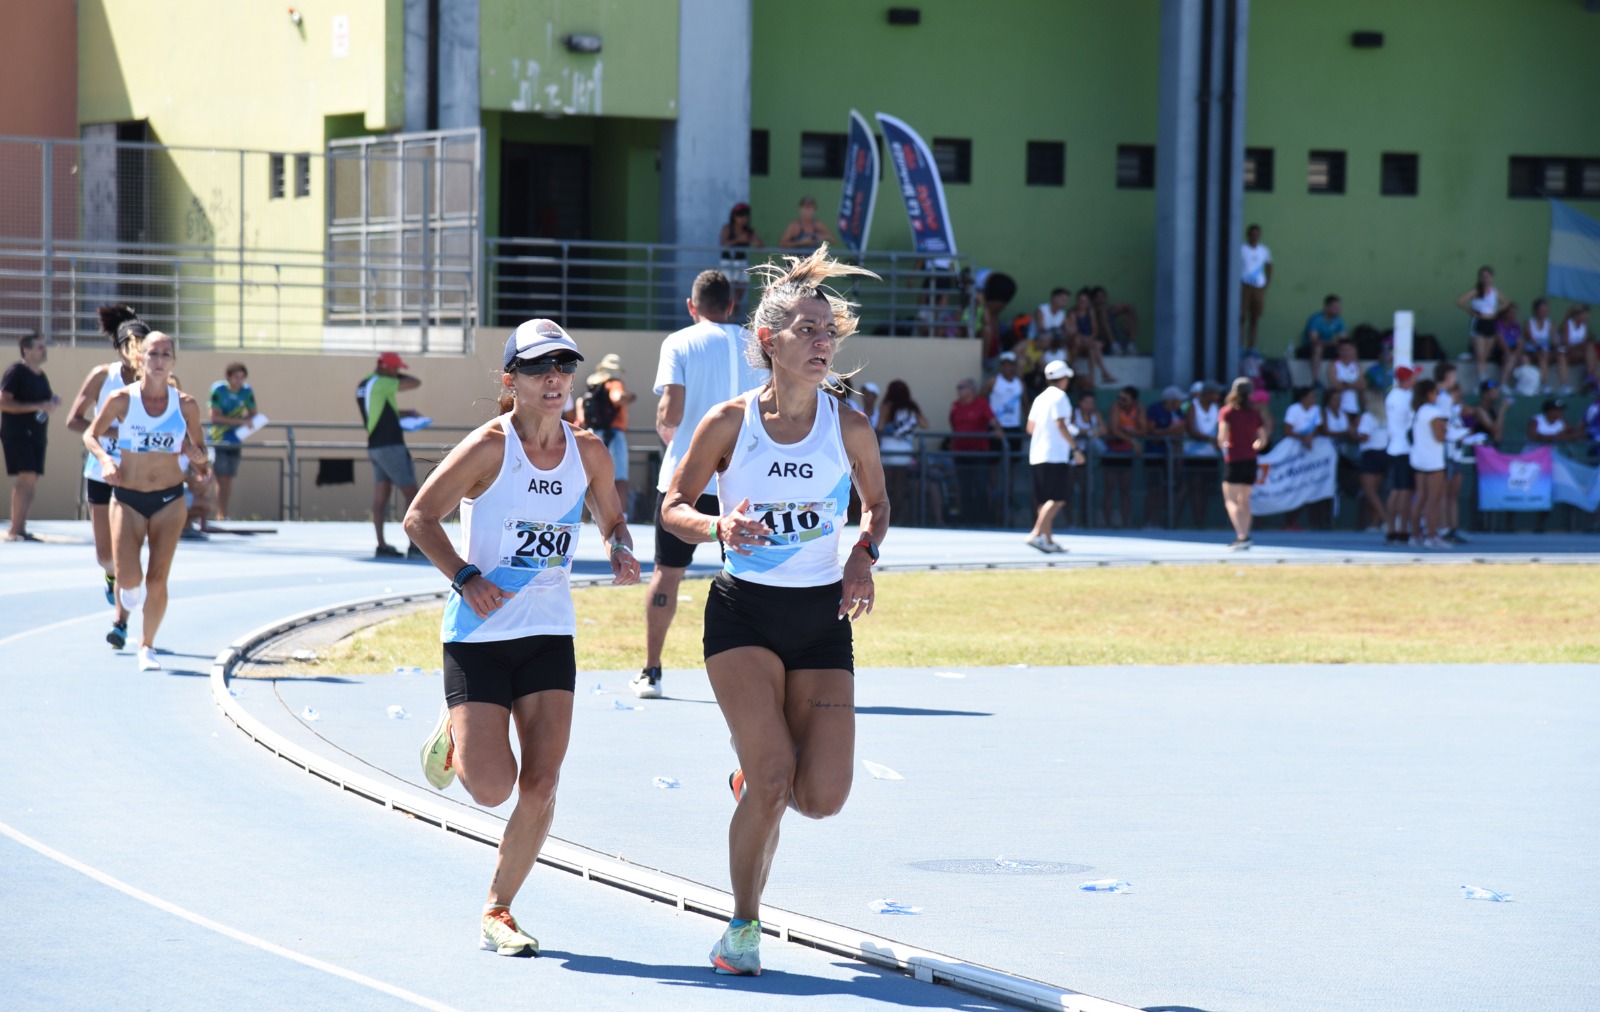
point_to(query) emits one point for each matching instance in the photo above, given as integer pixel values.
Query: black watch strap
(871, 547)
(464, 574)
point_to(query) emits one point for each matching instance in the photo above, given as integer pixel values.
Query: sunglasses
(541, 366)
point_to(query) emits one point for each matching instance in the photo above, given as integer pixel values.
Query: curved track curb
(686, 895)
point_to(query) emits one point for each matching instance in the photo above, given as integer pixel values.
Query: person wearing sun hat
(386, 441)
(603, 410)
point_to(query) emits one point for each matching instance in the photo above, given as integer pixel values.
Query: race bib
(795, 522)
(156, 442)
(537, 544)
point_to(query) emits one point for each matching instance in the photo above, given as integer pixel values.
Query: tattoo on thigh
(659, 600)
(827, 704)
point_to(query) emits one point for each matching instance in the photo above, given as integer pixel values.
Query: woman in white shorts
(1427, 463)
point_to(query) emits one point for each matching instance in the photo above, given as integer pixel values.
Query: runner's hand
(739, 532)
(111, 475)
(483, 597)
(857, 590)
(624, 567)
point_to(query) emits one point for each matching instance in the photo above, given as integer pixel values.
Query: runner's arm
(709, 452)
(79, 418)
(465, 472)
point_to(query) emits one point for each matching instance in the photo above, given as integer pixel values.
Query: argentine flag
(1574, 271)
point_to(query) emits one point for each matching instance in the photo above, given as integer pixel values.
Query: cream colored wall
(455, 391)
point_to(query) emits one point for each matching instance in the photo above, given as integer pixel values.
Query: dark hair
(234, 367)
(121, 324)
(31, 337)
(1420, 391)
(1540, 301)
(895, 399)
(1130, 390)
(1441, 369)
(1251, 228)
(1479, 285)
(711, 290)
(1060, 291)
(1328, 300)
(1299, 393)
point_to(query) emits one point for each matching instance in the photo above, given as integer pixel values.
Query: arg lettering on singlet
(794, 522)
(536, 544)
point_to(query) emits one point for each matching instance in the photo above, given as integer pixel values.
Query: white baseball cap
(1057, 369)
(537, 338)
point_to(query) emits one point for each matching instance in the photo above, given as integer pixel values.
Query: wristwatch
(871, 547)
(464, 574)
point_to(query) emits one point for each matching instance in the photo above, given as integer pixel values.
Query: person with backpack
(604, 412)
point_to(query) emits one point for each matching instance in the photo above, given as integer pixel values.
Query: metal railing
(642, 286)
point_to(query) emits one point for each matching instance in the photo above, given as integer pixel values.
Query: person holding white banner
(1427, 462)
(1242, 432)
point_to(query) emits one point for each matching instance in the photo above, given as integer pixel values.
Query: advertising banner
(1515, 481)
(860, 191)
(1289, 475)
(918, 176)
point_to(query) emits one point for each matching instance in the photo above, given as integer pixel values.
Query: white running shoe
(647, 684)
(147, 659)
(1039, 543)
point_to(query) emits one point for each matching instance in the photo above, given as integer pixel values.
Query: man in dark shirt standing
(25, 405)
(386, 443)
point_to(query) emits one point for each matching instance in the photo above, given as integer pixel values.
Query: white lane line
(53, 625)
(221, 929)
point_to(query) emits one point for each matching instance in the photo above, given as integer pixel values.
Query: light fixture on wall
(580, 43)
(294, 16)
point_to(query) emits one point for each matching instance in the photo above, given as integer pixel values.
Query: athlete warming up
(125, 330)
(153, 419)
(520, 482)
(778, 617)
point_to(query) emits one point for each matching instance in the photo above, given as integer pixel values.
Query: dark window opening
(1325, 172)
(1399, 175)
(302, 175)
(1047, 163)
(953, 156)
(1544, 176)
(822, 156)
(1258, 170)
(1136, 167)
(760, 143)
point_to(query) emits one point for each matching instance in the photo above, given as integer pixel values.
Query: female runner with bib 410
(520, 482)
(153, 420)
(777, 638)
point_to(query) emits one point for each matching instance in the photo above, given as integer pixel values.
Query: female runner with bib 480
(154, 421)
(520, 482)
(777, 637)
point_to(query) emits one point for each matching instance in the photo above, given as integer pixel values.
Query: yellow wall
(455, 391)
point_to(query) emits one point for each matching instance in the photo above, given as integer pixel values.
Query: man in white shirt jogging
(1402, 480)
(701, 366)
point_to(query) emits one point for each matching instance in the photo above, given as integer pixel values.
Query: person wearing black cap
(520, 482)
(386, 442)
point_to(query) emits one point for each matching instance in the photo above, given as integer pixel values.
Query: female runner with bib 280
(520, 482)
(777, 636)
(154, 420)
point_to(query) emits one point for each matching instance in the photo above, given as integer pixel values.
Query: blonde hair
(801, 280)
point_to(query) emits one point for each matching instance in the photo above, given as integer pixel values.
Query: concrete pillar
(418, 52)
(1199, 188)
(705, 153)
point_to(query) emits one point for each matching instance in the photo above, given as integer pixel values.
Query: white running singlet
(801, 490)
(522, 532)
(108, 442)
(141, 433)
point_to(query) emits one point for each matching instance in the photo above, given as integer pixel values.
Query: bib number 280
(536, 544)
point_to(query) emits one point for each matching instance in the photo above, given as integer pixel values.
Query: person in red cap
(386, 442)
(1402, 480)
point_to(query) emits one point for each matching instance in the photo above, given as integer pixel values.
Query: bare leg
(544, 724)
(380, 507)
(1046, 519)
(1450, 509)
(659, 610)
(224, 492)
(164, 530)
(1236, 497)
(1561, 367)
(1097, 362)
(1316, 362)
(22, 492)
(100, 523)
(1481, 346)
(1370, 483)
(128, 528)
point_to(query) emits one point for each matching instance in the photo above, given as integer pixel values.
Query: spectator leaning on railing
(1123, 432)
(232, 404)
(1200, 453)
(899, 419)
(970, 413)
(1163, 429)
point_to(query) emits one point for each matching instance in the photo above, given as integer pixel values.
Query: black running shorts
(799, 624)
(503, 671)
(97, 492)
(670, 551)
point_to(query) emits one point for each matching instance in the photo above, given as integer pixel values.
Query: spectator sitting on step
(1537, 346)
(1084, 339)
(1550, 425)
(1345, 379)
(1117, 322)
(1488, 416)
(1510, 346)
(1050, 319)
(1572, 345)
(1323, 331)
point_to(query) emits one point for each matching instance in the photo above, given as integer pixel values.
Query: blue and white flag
(860, 191)
(918, 175)
(1574, 271)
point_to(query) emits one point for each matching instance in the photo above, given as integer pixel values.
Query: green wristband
(712, 532)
